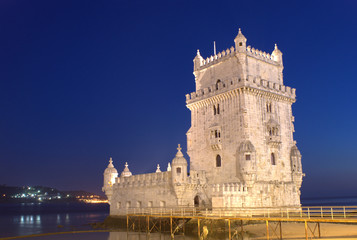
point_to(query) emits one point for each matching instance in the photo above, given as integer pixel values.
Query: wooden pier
(156, 219)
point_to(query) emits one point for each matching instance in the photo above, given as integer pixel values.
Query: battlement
(260, 55)
(229, 52)
(235, 83)
(141, 180)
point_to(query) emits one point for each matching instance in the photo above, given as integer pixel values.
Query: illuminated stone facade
(241, 147)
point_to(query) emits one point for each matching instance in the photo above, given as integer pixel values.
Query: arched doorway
(196, 201)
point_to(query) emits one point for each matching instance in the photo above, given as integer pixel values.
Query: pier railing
(306, 212)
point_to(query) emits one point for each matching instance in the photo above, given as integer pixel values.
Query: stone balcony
(216, 143)
(273, 141)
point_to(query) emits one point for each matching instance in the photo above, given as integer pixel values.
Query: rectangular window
(247, 157)
(150, 204)
(178, 170)
(118, 205)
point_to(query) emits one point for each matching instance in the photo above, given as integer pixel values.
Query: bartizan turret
(179, 168)
(240, 42)
(179, 176)
(296, 170)
(110, 174)
(247, 163)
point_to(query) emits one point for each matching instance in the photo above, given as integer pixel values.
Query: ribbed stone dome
(179, 158)
(246, 146)
(295, 151)
(110, 169)
(126, 172)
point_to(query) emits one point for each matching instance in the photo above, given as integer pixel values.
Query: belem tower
(240, 145)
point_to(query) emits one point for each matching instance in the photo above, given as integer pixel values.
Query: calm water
(36, 218)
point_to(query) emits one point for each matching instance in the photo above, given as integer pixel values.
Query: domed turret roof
(110, 168)
(295, 151)
(240, 35)
(246, 146)
(126, 172)
(179, 158)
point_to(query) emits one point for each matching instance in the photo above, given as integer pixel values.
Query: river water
(36, 218)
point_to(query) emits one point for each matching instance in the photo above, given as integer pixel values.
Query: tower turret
(110, 174)
(277, 55)
(126, 172)
(240, 42)
(247, 162)
(179, 167)
(197, 61)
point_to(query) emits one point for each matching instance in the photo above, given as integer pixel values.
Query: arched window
(214, 110)
(218, 161)
(269, 107)
(272, 159)
(217, 108)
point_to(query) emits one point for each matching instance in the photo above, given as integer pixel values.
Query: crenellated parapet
(231, 87)
(261, 55)
(231, 52)
(144, 180)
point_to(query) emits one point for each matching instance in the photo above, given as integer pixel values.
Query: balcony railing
(324, 212)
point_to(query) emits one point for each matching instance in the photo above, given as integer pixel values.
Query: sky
(82, 81)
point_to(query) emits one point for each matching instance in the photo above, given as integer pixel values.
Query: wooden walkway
(154, 219)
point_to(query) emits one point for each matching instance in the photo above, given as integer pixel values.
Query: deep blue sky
(81, 81)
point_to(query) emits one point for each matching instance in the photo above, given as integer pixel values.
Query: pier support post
(281, 231)
(229, 229)
(267, 224)
(183, 227)
(306, 232)
(198, 228)
(148, 224)
(172, 236)
(318, 227)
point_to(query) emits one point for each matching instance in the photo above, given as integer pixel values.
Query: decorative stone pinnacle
(198, 52)
(179, 147)
(126, 164)
(158, 168)
(239, 31)
(276, 46)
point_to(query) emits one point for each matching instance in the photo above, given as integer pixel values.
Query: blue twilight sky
(81, 81)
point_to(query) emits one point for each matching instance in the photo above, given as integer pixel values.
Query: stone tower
(110, 174)
(242, 128)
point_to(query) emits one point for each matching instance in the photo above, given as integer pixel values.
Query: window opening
(178, 170)
(268, 107)
(247, 157)
(218, 161)
(272, 158)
